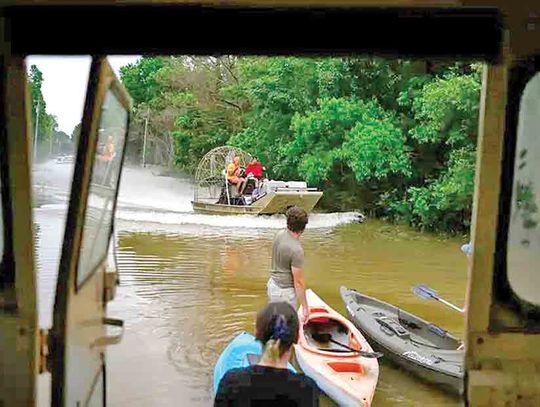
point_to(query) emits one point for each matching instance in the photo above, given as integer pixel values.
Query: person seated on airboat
(254, 176)
(255, 168)
(245, 180)
(234, 175)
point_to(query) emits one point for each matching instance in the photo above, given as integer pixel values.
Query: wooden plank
(504, 346)
(485, 206)
(19, 387)
(269, 3)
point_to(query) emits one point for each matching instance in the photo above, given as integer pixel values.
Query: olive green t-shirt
(287, 252)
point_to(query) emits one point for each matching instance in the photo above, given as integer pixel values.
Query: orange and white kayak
(345, 376)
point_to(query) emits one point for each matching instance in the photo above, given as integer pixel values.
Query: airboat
(214, 194)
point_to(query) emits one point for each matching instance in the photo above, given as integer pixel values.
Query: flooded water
(190, 283)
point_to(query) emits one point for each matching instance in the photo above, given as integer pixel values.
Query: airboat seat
(211, 183)
(250, 186)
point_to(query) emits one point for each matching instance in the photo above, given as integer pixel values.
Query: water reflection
(190, 282)
(195, 292)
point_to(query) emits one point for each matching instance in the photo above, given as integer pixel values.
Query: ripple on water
(189, 283)
(203, 289)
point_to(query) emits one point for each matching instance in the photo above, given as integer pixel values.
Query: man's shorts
(278, 294)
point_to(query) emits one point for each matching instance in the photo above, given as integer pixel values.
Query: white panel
(524, 228)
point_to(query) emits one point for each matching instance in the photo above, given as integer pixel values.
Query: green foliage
(276, 89)
(76, 133)
(359, 136)
(446, 111)
(47, 124)
(444, 203)
(376, 146)
(394, 138)
(183, 99)
(140, 78)
(377, 78)
(334, 78)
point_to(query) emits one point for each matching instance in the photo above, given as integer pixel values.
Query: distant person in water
(107, 154)
(269, 382)
(233, 175)
(105, 158)
(287, 281)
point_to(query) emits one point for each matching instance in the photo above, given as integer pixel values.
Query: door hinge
(111, 281)
(113, 339)
(43, 350)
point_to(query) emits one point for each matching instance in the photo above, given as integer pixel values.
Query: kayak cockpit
(326, 334)
(397, 324)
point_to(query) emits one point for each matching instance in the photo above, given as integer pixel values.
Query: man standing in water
(287, 282)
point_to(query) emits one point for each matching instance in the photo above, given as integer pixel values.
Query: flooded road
(190, 283)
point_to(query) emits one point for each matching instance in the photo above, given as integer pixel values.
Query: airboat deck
(270, 203)
(214, 195)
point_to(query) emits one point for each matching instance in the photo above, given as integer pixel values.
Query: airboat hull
(271, 203)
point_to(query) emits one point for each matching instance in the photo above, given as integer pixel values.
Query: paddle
(427, 293)
(325, 337)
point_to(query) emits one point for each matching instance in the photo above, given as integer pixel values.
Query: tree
(275, 89)
(189, 110)
(139, 78)
(47, 123)
(75, 134)
(394, 138)
(443, 132)
(62, 143)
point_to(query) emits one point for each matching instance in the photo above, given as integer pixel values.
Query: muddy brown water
(190, 283)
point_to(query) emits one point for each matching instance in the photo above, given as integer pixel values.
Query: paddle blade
(423, 291)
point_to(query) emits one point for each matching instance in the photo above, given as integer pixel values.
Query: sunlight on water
(316, 221)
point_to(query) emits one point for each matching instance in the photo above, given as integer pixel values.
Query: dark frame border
(7, 266)
(203, 30)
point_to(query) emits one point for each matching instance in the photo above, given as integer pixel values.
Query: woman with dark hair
(269, 382)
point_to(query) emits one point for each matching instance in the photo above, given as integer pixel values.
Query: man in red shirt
(255, 168)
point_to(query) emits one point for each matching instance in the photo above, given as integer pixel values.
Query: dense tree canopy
(394, 138)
